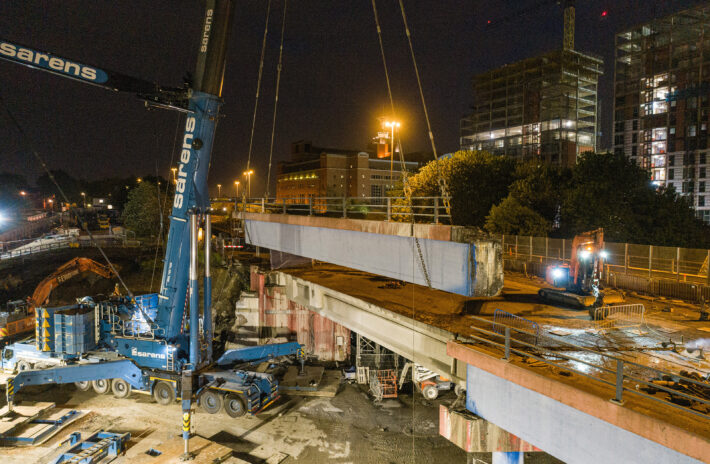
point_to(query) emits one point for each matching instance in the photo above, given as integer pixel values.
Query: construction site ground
(345, 429)
(349, 427)
(672, 322)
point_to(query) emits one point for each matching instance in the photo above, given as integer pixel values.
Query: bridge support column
(502, 457)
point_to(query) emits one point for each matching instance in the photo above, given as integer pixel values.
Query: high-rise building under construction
(662, 104)
(541, 108)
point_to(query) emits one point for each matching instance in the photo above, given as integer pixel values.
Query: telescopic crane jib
(162, 351)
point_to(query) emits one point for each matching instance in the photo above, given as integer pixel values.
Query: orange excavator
(18, 317)
(581, 278)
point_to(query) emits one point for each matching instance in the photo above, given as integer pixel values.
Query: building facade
(330, 172)
(542, 108)
(661, 106)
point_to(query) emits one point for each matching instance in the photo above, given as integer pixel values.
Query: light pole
(236, 185)
(174, 170)
(219, 190)
(83, 197)
(248, 174)
(392, 125)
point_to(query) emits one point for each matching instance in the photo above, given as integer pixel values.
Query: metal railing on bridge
(422, 209)
(68, 243)
(691, 395)
(664, 271)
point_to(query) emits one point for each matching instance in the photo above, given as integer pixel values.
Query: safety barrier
(422, 209)
(383, 384)
(618, 317)
(628, 377)
(527, 330)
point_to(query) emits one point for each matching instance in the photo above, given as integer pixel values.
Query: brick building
(331, 172)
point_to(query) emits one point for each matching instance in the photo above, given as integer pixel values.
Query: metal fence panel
(503, 319)
(619, 317)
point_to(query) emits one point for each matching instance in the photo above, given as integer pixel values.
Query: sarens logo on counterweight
(145, 354)
(53, 63)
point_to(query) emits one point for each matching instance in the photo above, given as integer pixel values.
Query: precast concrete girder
(568, 422)
(470, 267)
(418, 342)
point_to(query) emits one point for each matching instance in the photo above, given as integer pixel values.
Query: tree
(541, 187)
(613, 192)
(510, 217)
(142, 210)
(477, 180)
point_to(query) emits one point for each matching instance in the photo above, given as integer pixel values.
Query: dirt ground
(348, 428)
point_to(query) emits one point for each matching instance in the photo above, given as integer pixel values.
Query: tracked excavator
(18, 318)
(578, 284)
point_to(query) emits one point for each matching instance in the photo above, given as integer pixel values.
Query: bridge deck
(452, 313)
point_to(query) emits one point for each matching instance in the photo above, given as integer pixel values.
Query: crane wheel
(120, 388)
(430, 392)
(163, 393)
(83, 386)
(234, 405)
(101, 386)
(210, 401)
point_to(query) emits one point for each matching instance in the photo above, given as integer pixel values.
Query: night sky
(332, 84)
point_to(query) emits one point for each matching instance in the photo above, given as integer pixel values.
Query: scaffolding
(542, 108)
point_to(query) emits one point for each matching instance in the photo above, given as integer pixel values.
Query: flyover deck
(452, 313)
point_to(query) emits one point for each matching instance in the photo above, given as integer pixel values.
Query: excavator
(19, 316)
(579, 282)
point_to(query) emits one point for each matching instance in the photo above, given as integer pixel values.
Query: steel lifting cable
(165, 202)
(31, 148)
(279, 67)
(405, 183)
(442, 182)
(251, 137)
(256, 106)
(258, 83)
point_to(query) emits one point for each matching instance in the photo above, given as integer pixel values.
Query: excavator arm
(63, 273)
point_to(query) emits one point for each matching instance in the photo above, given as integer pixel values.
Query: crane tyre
(120, 388)
(101, 386)
(430, 392)
(163, 393)
(23, 366)
(83, 386)
(210, 401)
(234, 405)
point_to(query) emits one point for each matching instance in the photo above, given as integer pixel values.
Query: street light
(139, 180)
(248, 174)
(392, 125)
(236, 185)
(219, 190)
(23, 193)
(174, 170)
(83, 195)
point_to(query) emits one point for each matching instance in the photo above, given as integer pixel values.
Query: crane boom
(151, 92)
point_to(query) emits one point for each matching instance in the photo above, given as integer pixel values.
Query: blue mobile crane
(151, 343)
